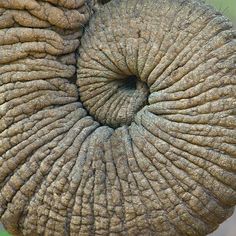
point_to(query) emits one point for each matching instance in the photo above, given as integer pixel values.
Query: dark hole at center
(129, 83)
(104, 1)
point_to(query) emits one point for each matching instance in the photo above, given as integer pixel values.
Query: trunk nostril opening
(103, 1)
(130, 83)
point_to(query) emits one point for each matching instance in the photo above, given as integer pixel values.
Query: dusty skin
(116, 118)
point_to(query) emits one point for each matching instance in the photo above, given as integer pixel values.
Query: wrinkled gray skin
(129, 130)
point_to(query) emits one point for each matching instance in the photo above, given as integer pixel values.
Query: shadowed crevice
(130, 83)
(103, 1)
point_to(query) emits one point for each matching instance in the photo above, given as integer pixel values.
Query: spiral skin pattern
(131, 134)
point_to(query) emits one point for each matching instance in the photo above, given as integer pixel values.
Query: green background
(227, 7)
(4, 233)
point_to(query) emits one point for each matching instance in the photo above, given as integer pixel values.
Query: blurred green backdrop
(228, 8)
(4, 233)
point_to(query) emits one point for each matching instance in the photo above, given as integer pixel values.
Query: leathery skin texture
(116, 117)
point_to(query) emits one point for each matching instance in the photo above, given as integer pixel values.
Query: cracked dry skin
(141, 143)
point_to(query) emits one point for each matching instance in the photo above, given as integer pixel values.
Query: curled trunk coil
(116, 117)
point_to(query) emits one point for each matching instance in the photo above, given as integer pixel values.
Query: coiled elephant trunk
(116, 117)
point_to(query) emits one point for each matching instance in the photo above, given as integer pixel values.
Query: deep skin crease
(116, 117)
